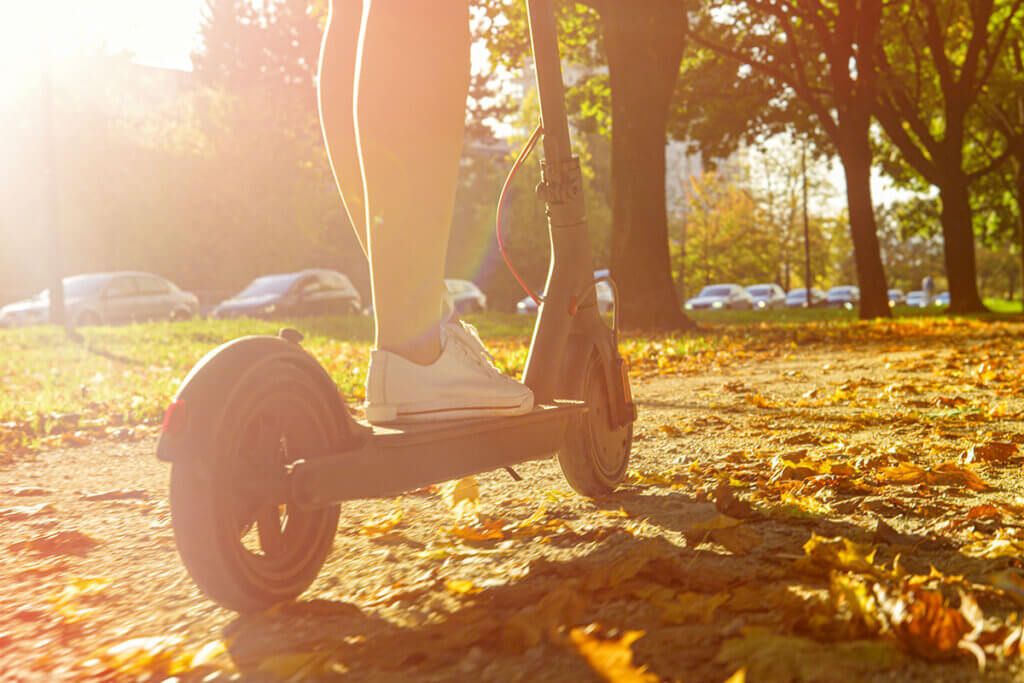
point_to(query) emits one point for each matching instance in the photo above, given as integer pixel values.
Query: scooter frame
(584, 410)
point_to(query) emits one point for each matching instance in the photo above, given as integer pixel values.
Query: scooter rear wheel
(244, 543)
(595, 456)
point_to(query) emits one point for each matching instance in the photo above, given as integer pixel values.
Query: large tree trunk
(958, 234)
(855, 153)
(644, 43)
(1018, 177)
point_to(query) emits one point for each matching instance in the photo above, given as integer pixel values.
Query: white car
(718, 297)
(941, 299)
(896, 297)
(918, 299)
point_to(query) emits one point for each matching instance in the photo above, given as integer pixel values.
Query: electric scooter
(263, 447)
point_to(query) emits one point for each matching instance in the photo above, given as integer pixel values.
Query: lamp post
(807, 232)
(51, 197)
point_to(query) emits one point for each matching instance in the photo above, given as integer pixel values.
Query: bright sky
(157, 32)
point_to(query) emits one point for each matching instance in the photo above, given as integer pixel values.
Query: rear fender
(198, 408)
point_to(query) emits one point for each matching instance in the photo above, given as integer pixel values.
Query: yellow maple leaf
(612, 659)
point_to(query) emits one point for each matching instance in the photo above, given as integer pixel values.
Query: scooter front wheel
(244, 542)
(595, 455)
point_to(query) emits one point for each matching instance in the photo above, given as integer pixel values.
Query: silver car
(99, 298)
(717, 297)
(767, 295)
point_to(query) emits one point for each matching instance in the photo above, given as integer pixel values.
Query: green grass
(129, 373)
(1002, 305)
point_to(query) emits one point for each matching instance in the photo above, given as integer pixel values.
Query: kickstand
(512, 473)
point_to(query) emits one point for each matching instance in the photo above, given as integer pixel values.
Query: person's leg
(412, 79)
(336, 86)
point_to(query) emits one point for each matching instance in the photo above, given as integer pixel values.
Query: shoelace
(467, 340)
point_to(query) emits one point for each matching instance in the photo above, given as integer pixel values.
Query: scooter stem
(561, 187)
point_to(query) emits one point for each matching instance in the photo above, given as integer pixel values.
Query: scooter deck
(405, 457)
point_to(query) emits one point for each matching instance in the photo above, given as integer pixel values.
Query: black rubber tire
(211, 517)
(595, 456)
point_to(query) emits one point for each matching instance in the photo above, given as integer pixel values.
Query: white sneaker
(461, 384)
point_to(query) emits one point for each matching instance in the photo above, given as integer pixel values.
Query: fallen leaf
(27, 511)
(383, 526)
(68, 542)
(462, 496)
(770, 657)
(295, 666)
(119, 494)
(923, 622)
(461, 587)
(610, 658)
(993, 451)
(838, 553)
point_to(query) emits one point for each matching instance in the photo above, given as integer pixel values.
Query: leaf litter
(781, 521)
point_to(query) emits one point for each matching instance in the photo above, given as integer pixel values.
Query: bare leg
(411, 86)
(335, 89)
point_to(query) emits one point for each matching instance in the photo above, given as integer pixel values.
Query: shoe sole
(387, 414)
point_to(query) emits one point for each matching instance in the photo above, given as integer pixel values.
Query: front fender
(198, 408)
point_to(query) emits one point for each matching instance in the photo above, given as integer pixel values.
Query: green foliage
(908, 232)
(724, 242)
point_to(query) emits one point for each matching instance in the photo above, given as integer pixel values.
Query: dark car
(844, 296)
(466, 297)
(767, 295)
(797, 298)
(99, 298)
(721, 296)
(315, 291)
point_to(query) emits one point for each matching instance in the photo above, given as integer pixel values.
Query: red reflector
(174, 418)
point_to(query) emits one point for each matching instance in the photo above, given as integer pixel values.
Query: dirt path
(718, 549)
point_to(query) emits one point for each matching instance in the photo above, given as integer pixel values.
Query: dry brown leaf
(923, 622)
(67, 542)
(462, 496)
(383, 526)
(838, 553)
(993, 451)
(611, 659)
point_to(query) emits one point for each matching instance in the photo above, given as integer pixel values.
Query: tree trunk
(1018, 177)
(958, 234)
(855, 153)
(644, 43)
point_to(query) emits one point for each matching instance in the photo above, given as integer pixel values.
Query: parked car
(941, 299)
(767, 295)
(797, 298)
(315, 291)
(466, 296)
(843, 296)
(896, 297)
(718, 297)
(918, 298)
(98, 298)
(603, 290)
